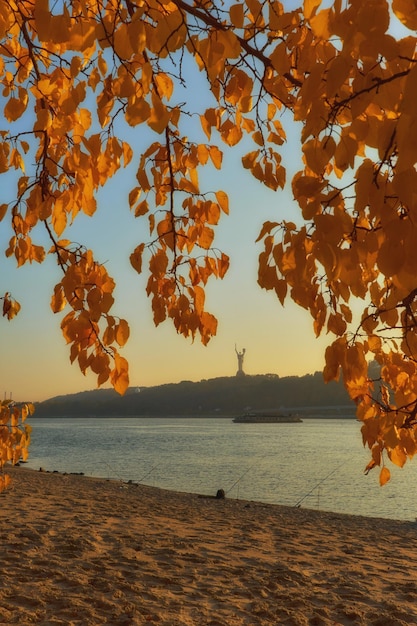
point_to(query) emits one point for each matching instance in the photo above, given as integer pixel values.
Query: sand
(85, 551)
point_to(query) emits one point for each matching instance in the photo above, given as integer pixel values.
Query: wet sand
(85, 551)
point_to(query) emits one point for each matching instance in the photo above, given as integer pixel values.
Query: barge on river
(267, 418)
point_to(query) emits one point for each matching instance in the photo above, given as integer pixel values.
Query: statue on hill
(240, 357)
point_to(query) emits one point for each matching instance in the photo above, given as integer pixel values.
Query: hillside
(217, 396)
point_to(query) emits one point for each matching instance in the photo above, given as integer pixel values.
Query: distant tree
(75, 72)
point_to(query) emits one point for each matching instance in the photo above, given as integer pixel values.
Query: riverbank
(80, 551)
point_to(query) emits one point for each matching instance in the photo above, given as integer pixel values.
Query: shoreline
(83, 551)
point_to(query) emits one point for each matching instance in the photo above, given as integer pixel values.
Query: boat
(267, 418)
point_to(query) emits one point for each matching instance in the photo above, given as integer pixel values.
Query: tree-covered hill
(218, 396)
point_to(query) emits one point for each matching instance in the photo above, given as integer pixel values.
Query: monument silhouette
(240, 357)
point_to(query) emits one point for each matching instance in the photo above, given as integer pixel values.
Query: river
(316, 464)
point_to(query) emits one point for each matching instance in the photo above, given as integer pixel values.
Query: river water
(316, 464)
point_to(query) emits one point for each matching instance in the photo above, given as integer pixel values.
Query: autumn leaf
(310, 7)
(223, 201)
(15, 107)
(119, 375)
(15, 436)
(58, 300)
(384, 476)
(406, 11)
(216, 156)
(122, 332)
(136, 258)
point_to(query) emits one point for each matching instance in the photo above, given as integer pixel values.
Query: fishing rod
(116, 473)
(148, 473)
(113, 471)
(321, 482)
(245, 472)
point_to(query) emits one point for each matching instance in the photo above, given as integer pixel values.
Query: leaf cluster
(72, 75)
(14, 436)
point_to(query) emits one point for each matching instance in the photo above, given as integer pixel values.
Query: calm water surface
(316, 464)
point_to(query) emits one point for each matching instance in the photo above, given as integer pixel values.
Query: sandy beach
(85, 551)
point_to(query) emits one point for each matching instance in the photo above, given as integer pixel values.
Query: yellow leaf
(335, 355)
(310, 8)
(202, 153)
(42, 19)
(320, 24)
(336, 324)
(199, 298)
(134, 195)
(338, 72)
(127, 153)
(59, 215)
(345, 153)
(158, 263)
(137, 112)
(406, 11)
(142, 208)
(223, 200)
(384, 476)
(10, 307)
(122, 332)
(120, 374)
(206, 237)
(230, 43)
(165, 85)
(213, 213)
(317, 153)
(370, 466)
(25, 146)
(216, 157)
(14, 108)
(137, 34)
(398, 456)
(122, 43)
(208, 327)
(43, 120)
(374, 343)
(159, 117)
(237, 15)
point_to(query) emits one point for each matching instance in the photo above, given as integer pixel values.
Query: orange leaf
(14, 108)
(120, 374)
(384, 476)
(223, 201)
(216, 157)
(58, 301)
(406, 11)
(158, 263)
(136, 258)
(320, 24)
(310, 7)
(159, 117)
(137, 111)
(236, 13)
(206, 237)
(122, 332)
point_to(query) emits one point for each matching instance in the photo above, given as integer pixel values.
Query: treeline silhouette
(225, 396)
